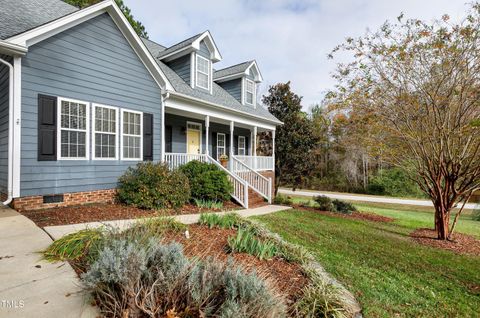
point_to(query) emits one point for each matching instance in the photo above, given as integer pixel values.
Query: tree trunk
(442, 218)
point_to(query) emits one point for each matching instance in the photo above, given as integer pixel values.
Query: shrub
(282, 200)
(145, 229)
(344, 207)
(206, 204)
(226, 221)
(476, 214)
(131, 279)
(393, 182)
(74, 246)
(320, 299)
(324, 203)
(153, 186)
(207, 182)
(246, 242)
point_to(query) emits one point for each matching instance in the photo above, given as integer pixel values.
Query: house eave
(12, 49)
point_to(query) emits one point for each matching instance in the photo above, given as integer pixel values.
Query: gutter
(12, 49)
(201, 101)
(10, 133)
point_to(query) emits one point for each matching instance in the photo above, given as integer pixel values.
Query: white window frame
(193, 123)
(247, 91)
(244, 148)
(59, 128)
(224, 145)
(94, 131)
(198, 71)
(122, 134)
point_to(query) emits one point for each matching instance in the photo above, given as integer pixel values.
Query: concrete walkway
(364, 198)
(29, 286)
(57, 232)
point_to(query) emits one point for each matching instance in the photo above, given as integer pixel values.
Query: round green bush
(207, 181)
(153, 186)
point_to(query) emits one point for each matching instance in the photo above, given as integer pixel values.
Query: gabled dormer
(240, 81)
(192, 60)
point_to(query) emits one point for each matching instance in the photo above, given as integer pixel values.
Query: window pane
(249, 98)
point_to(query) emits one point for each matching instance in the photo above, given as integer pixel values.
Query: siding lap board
(91, 62)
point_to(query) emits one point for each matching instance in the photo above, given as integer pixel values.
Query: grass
(226, 221)
(207, 204)
(246, 242)
(389, 273)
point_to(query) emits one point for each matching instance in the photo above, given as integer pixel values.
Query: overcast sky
(289, 39)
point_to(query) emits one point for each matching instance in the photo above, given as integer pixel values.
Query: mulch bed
(286, 278)
(363, 216)
(106, 212)
(460, 243)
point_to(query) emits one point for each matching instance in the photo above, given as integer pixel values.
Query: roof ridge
(188, 39)
(225, 68)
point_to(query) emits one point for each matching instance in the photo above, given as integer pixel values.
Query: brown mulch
(363, 216)
(460, 243)
(286, 278)
(105, 212)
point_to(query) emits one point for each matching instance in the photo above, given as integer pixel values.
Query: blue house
(83, 97)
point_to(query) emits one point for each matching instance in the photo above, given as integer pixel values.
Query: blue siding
(91, 62)
(234, 88)
(181, 66)
(179, 136)
(204, 51)
(4, 93)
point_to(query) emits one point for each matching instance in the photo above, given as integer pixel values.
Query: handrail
(175, 160)
(240, 186)
(257, 162)
(259, 183)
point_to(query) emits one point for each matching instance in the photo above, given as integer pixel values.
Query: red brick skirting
(75, 198)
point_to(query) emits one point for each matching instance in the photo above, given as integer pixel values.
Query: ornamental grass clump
(136, 279)
(153, 186)
(226, 221)
(246, 242)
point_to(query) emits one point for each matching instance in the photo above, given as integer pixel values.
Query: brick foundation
(75, 198)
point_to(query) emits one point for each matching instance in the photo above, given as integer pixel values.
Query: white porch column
(230, 162)
(273, 149)
(254, 144)
(17, 95)
(207, 126)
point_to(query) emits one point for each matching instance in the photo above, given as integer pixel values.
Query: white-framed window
(132, 135)
(105, 132)
(221, 145)
(203, 72)
(249, 92)
(73, 129)
(241, 145)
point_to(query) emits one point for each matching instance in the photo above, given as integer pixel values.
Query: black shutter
(47, 128)
(235, 145)
(168, 138)
(147, 137)
(227, 145)
(247, 148)
(214, 145)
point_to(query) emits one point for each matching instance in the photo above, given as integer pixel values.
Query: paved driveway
(29, 286)
(363, 198)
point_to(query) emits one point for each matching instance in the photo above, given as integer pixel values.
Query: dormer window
(249, 92)
(203, 72)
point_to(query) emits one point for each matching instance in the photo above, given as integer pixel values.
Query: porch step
(255, 200)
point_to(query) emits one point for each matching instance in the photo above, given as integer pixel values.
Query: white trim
(207, 132)
(197, 106)
(94, 131)
(47, 30)
(244, 148)
(209, 78)
(243, 89)
(17, 127)
(12, 49)
(192, 69)
(199, 125)
(258, 76)
(122, 134)
(162, 129)
(247, 81)
(215, 55)
(224, 145)
(60, 128)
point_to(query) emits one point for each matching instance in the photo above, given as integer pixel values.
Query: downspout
(10, 132)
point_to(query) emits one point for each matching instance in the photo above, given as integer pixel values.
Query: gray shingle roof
(179, 45)
(18, 16)
(234, 69)
(219, 95)
(153, 47)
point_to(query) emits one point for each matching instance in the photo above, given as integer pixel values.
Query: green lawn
(388, 273)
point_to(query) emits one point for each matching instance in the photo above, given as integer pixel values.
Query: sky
(289, 39)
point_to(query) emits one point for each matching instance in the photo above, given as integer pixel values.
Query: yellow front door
(193, 141)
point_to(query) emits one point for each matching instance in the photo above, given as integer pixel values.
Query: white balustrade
(259, 183)
(257, 163)
(175, 160)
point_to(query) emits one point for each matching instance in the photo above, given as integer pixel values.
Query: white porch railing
(259, 183)
(175, 160)
(258, 162)
(240, 187)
